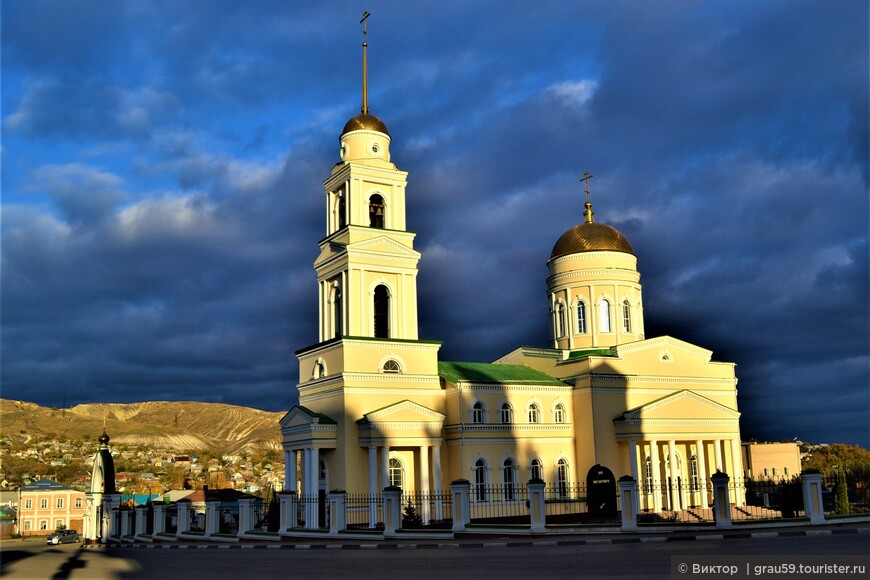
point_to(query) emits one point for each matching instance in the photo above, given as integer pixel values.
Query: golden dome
(591, 237)
(365, 122)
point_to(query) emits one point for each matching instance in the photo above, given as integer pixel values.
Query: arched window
(693, 466)
(604, 315)
(559, 413)
(507, 413)
(562, 478)
(337, 310)
(648, 474)
(479, 480)
(376, 211)
(581, 318)
(478, 413)
(626, 316)
(382, 312)
(392, 366)
(397, 473)
(537, 469)
(342, 210)
(534, 413)
(508, 472)
(560, 320)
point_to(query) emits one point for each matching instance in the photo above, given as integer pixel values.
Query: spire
(365, 78)
(588, 215)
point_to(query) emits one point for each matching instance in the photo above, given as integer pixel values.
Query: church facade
(377, 407)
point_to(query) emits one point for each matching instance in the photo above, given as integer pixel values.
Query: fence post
(392, 510)
(183, 515)
(630, 504)
(245, 505)
(141, 524)
(460, 489)
(337, 516)
(537, 506)
(721, 500)
(212, 521)
(288, 501)
(159, 518)
(811, 485)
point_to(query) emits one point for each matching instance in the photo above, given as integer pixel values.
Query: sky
(163, 167)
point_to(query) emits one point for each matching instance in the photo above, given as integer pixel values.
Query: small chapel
(377, 407)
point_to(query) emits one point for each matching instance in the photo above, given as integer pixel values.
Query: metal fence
(170, 522)
(264, 518)
(197, 521)
(313, 506)
(364, 511)
(500, 504)
(228, 519)
(427, 510)
(855, 496)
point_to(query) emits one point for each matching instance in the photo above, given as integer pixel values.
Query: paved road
(632, 560)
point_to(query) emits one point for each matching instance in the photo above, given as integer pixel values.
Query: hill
(178, 425)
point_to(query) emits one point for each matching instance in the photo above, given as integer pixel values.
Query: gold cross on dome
(585, 180)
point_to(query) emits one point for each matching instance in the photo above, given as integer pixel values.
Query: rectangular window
(43, 524)
(60, 503)
(27, 526)
(43, 503)
(766, 472)
(787, 471)
(774, 472)
(28, 504)
(78, 502)
(58, 524)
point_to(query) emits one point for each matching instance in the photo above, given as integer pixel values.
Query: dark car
(63, 537)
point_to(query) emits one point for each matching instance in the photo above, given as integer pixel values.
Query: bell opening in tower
(382, 310)
(376, 211)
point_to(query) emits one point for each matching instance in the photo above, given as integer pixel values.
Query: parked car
(63, 537)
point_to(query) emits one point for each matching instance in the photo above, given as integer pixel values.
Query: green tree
(410, 517)
(841, 498)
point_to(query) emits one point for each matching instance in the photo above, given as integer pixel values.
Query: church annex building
(378, 408)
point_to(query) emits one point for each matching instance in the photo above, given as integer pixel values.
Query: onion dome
(591, 237)
(103, 438)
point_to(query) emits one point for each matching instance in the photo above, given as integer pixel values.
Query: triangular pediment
(404, 412)
(679, 406)
(300, 416)
(383, 245)
(328, 251)
(663, 345)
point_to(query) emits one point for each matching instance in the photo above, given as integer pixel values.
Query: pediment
(660, 345)
(383, 245)
(300, 416)
(683, 405)
(404, 412)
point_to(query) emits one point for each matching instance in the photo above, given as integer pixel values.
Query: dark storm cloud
(166, 166)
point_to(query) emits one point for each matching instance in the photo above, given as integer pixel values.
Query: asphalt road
(633, 560)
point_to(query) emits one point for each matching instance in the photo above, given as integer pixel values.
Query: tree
(841, 498)
(410, 517)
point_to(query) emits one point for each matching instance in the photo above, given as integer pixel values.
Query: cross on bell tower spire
(365, 79)
(588, 215)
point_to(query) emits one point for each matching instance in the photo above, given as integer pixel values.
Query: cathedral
(378, 408)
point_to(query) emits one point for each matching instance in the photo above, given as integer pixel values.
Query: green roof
(494, 373)
(590, 352)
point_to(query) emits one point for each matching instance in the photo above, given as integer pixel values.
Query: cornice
(501, 389)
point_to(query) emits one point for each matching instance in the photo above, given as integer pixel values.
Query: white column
(306, 485)
(424, 483)
(436, 468)
(703, 478)
(290, 471)
(632, 456)
(373, 485)
(717, 454)
(673, 473)
(385, 466)
(737, 478)
(656, 475)
(315, 478)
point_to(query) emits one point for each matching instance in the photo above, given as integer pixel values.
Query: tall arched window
(323, 475)
(560, 320)
(397, 472)
(559, 413)
(626, 316)
(337, 311)
(376, 211)
(382, 312)
(534, 413)
(648, 474)
(478, 413)
(562, 478)
(508, 471)
(604, 315)
(693, 465)
(581, 318)
(507, 413)
(342, 211)
(537, 469)
(480, 480)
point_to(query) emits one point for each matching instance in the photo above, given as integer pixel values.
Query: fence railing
(170, 522)
(499, 504)
(228, 519)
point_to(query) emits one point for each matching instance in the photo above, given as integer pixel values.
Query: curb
(488, 544)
